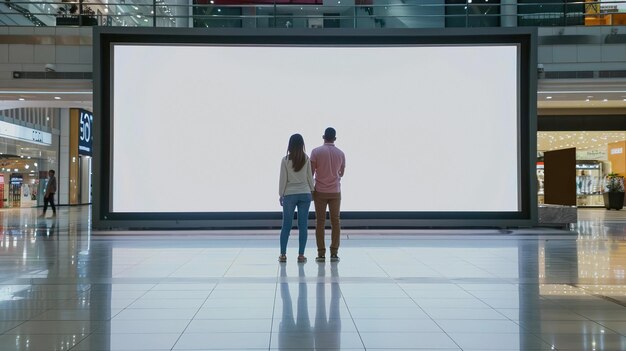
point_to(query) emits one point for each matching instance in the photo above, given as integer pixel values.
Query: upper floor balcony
(313, 13)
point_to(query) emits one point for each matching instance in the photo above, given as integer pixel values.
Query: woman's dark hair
(295, 152)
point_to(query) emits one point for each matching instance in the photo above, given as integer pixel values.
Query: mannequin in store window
(51, 189)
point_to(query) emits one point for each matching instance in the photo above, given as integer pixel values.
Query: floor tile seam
(80, 341)
(190, 259)
(274, 304)
(539, 336)
(232, 263)
(7, 331)
(131, 266)
(352, 319)
(432, 319)
(549, 343)
(480, 268)
(600, 296)
(192, 318)
(406, 294)
(133, 301)
(603, 324)
(494, 309)
(441, 276)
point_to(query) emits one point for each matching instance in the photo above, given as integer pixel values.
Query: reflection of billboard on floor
(431, 128)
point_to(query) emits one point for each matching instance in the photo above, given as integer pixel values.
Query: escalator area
(14, 14)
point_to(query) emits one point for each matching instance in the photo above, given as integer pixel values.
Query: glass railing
(311, 13)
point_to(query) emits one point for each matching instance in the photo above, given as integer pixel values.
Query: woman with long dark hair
(295, 187)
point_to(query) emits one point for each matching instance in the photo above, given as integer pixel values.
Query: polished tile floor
(63, 287)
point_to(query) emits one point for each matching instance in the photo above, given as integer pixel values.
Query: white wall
(582, 57)
(69, 49)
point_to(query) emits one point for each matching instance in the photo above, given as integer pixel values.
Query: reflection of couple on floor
(297, 332)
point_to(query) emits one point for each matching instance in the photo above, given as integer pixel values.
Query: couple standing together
(296, 189)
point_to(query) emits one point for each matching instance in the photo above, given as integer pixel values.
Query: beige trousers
(333, 202)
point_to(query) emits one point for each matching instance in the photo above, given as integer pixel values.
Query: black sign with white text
(85, 132)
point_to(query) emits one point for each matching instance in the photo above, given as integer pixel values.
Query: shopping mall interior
(70, 280)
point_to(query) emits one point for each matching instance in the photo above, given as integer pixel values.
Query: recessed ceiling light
(21, 99)
(548, 97)
(57, 98)
(605, 100)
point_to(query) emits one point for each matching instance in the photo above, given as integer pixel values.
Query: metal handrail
(158, 13)
(26, 13)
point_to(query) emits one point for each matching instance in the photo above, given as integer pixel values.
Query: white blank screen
(424, 128)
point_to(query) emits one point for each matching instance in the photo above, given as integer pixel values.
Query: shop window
(550, 13)
(216, 16)
(478, 13)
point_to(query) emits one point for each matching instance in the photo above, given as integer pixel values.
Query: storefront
(598, 153)
(26, 154)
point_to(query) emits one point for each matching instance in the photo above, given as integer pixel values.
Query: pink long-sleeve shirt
(328, 164)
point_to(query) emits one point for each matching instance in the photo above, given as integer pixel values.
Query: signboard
(592, 154)
(17, 132)
(85, 133)
(612, 6)
(16, 179)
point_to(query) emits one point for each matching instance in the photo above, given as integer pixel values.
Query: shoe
(334, 258)
(301, 259)
(282, 258)
(320, 259)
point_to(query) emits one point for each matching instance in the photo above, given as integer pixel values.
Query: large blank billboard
(429, 129)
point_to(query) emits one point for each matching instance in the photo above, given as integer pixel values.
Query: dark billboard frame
(524, 38)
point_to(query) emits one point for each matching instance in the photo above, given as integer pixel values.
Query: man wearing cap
(328, 164)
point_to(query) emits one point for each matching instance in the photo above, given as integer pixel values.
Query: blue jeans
(290, 202)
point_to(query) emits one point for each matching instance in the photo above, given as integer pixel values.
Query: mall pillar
(617, 157)
(508, 13)
(62, 173)
(74, 176)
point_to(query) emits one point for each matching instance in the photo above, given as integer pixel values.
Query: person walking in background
(294, 188)
(328, 164)
(51, 189)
